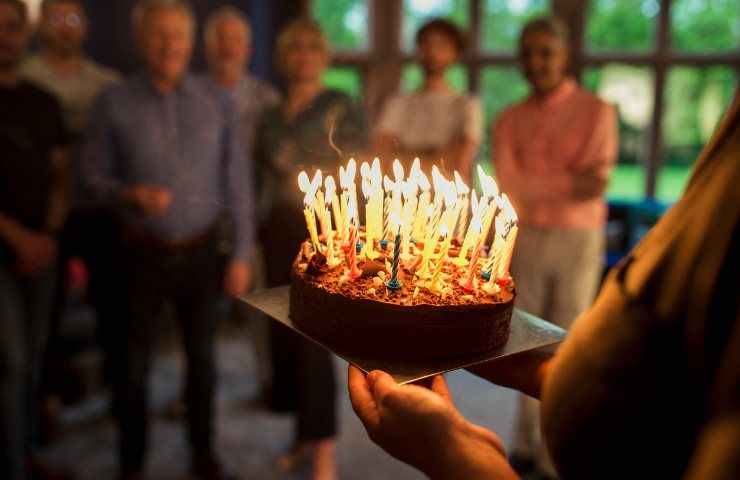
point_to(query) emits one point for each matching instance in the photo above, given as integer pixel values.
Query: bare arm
(525, 372)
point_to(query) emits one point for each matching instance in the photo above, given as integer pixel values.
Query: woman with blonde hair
(304, 132)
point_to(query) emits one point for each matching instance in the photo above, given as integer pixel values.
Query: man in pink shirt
(553, 153)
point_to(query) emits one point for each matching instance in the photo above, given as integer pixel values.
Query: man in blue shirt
(166, 150)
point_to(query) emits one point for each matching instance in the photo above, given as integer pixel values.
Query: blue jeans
(25, 312)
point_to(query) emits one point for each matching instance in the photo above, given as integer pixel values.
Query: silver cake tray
(527, 333)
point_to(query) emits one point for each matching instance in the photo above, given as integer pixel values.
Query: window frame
(382, 62)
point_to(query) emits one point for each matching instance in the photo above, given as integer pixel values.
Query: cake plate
(527, 333)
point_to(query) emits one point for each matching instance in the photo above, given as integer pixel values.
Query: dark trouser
(192, 280)
(303, 373)
(25, 309)
(91, 235)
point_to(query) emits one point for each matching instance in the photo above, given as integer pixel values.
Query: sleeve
(600, 151)
(98, 161)
(472, 125)
(239, 183)
(390, 117)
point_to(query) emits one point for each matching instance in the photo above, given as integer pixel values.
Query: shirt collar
(186, 85)
(557, 96)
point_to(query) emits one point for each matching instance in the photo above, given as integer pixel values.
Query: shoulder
(592, 102)
(38, 95)
(264, 89)
(103, 73)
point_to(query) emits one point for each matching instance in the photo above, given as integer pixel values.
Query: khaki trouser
(557, 273)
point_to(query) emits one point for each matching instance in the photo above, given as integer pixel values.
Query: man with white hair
(166, 151)
(228, 47)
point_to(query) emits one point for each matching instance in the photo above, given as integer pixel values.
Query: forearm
(525, 372)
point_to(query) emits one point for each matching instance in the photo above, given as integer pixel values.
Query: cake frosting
(362, 316)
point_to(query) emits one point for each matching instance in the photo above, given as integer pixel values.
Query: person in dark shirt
(296, 135)
(33, 173)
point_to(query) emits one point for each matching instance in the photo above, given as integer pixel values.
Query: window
(670, 67)
(345, 24)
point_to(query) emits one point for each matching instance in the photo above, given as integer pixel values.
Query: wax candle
(331, 194)
(467, 284)
(473, 229)
(508, 252)
(463, 193)
(443, 249)
(354, 272)
(394, 283)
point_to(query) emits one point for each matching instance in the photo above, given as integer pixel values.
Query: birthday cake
(435, 295)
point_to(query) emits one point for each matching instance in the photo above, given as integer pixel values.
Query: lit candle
(331, 194)
(467, 284)
(354, 272)
(386, 220)
(443, 249)
(508, 251)
(494, 255)
(394, 283)
(473, 229)
(308, 187)
(464, 193)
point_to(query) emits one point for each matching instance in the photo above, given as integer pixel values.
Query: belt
(140, 238)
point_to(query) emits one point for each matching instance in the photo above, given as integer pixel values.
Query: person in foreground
(647, 384)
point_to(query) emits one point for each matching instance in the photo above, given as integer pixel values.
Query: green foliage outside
(623, 25)
(694, 98)
(502, 21)
(705, 25)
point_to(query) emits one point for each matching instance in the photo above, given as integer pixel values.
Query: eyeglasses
(71, 20)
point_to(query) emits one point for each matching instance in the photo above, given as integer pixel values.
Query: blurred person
(645, 385)
(228, 45)
(62, 69)
(166, 150)
(301, 133)
(552, 154)
(434, 123)
(33, 204)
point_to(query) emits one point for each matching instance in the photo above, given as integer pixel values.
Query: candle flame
(366, 187)
(347, 175)
(474, 203)
(397, 170)
(499, 225)
(303, 182)
(377, 175)
(462, 189)
(388, 183)
(331, 188)
(365, 170)
(316, 182)
(396, 220)
(508, 209)
(443, 231)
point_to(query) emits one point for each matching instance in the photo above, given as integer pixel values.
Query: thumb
(380, 383)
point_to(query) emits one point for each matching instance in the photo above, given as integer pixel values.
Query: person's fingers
(489, 436)
(361, 397)
(380, 383)
(438, 385)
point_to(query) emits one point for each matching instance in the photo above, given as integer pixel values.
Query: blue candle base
(358, 246)
(485, 274)
(394, 285)
(383, 244)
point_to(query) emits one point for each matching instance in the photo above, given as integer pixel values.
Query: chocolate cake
(363, 316)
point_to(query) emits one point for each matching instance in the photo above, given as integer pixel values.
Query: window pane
(417, 12)
(344, 22)
(630, 89)
(504, 19)
(413, 77)
(705, 26)
(498, 88)
(621, 25)
(345, 79)
(694, 101)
